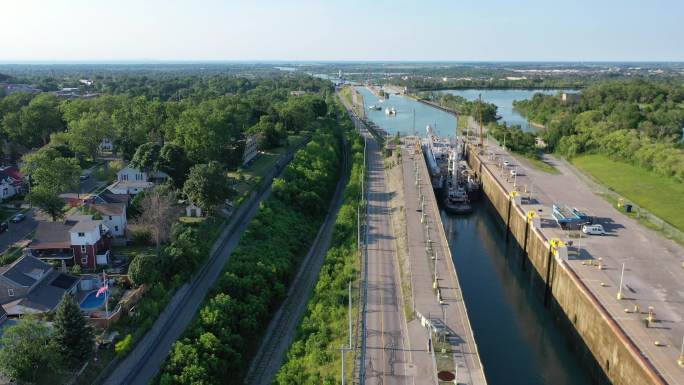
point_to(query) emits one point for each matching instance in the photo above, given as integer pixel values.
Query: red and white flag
(102, 290)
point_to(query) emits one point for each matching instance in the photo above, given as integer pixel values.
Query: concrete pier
(439, 306)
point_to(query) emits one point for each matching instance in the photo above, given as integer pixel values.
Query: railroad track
(282, 327)
(143, 351)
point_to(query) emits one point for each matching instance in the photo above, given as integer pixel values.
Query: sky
(349, 30)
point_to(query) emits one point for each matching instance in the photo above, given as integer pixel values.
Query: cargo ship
(436, 150)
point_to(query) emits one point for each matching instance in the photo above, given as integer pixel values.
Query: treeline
(635, 121)
(463, 106)
(314, 356)
(209, 126)
(218, 345)
(418, 84)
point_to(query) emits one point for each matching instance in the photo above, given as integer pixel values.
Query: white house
(106, 145)
(251, 150)
(11, 182)
(113, 216)
(130, 180)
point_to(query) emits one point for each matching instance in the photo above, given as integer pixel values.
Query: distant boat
(498, 117)
(381, 100)
(390, 111)
(374, 107)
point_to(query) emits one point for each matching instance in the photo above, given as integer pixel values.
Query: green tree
(39, 119)
(73, 337)
(86, 133)
(143, 269)
(146, 156)
(208, 185)
(47, 201)
(51, 172)
(173, 161)
(27, 353)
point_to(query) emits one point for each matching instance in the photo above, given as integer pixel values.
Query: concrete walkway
(452, 315)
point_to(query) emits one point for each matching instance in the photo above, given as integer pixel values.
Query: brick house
(79, 239)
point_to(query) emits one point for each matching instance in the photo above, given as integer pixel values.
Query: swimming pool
(91, 302)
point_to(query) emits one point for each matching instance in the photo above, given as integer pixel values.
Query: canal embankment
(609, 352)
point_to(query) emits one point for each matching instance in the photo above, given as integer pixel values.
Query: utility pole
(350, 315)
(342, 351)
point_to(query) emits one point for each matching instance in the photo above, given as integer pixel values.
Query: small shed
(193, 210)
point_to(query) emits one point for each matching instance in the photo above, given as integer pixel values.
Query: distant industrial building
(570, 97)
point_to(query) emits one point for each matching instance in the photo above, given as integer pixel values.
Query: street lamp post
(622, 275)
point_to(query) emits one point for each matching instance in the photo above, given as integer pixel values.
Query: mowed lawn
(661, 195)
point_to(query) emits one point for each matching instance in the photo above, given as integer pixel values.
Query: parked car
(18, 218)
(506, 163)
(3, 227)
(84, 176)
(593, 229)
(514, 172)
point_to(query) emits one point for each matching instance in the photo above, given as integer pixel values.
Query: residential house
(113, 216)
(251, 150)
(11, 182)
(130, 180)
(79, 239)
(106, 145)
(30, 286)
(192, 210)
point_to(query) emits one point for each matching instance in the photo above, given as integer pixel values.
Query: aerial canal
(518, 340)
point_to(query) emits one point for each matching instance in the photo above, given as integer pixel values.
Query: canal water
(402, 122)
(504, 101)
(519, 342)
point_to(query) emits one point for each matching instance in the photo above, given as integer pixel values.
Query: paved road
(282, 328)
(387, 350)
(17, 231)
(653, 265)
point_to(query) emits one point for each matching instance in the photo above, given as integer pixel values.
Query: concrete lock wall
(597, 337)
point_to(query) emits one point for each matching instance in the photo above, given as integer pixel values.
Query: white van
(593, 229)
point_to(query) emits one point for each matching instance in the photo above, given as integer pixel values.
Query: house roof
(82, 223)
(11, 175)
(130, 184)
(44, 297)
(26, 270)
(109, 197)
(109, 208)
(52, 235)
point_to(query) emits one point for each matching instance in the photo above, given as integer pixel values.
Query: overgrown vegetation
(314, 356)
(219, 343)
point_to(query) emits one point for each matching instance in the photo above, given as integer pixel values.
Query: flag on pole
(102, 290)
